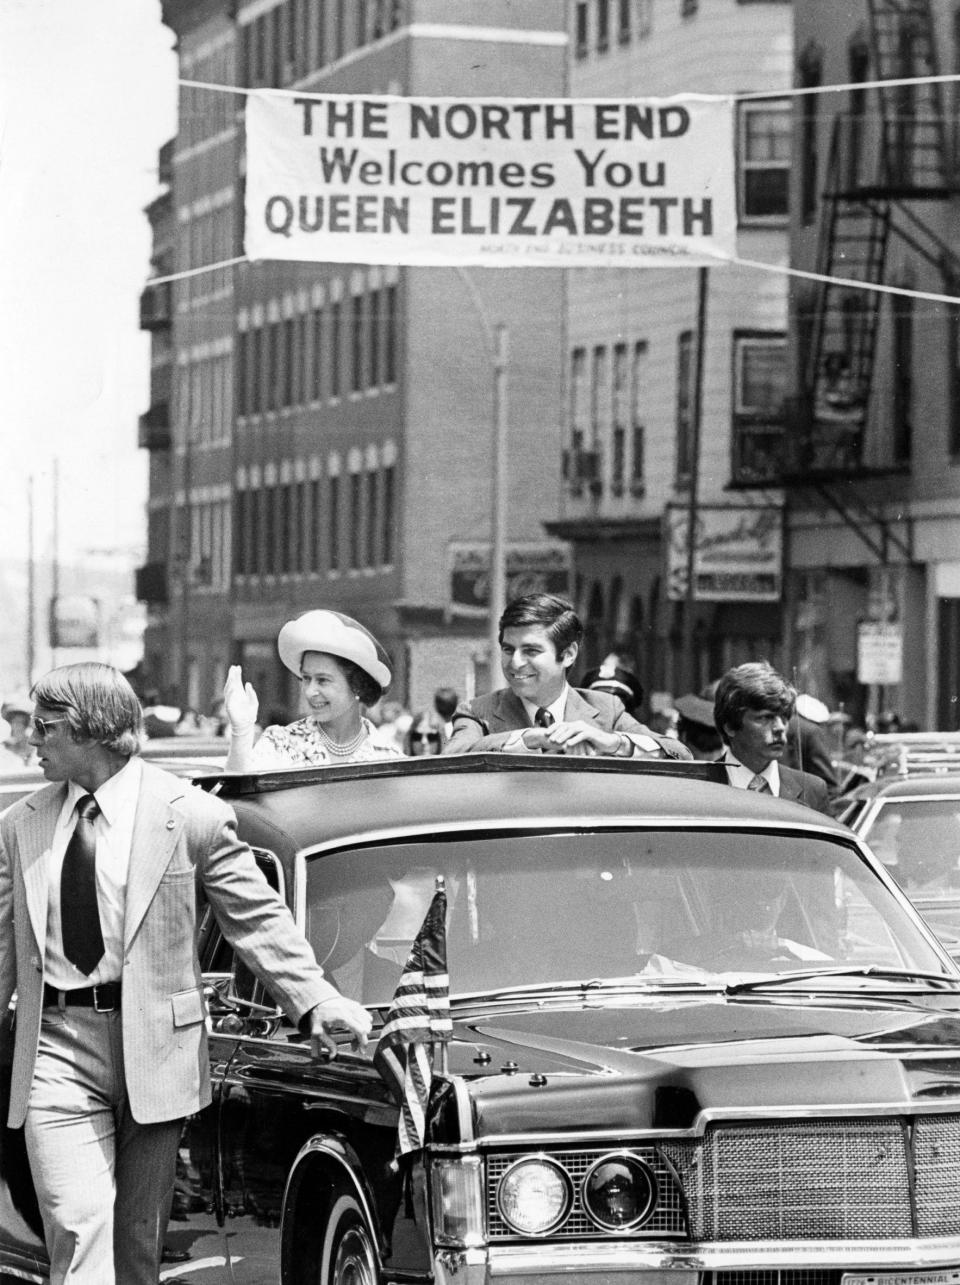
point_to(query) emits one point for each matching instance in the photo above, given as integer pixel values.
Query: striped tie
(759, 784)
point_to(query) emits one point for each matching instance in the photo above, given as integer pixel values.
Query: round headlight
(619, 1192)
(534, 1196)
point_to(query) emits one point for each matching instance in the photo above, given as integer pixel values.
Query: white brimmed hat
(812, 709)
(337, 635)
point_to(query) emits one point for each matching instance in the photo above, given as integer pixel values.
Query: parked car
(699, 1035)
(912, 824)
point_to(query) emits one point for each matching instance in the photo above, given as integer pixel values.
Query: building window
(623, 21)
(287, 525)
(372, 519)
(356, 520)
(902, 377)
(759, 390)
(333, 523)
(313, 527)
(254, 558)
(688, 8)
(388, 513)
(603, 26)
(240, 532)
(685, 404)
(621, 411)
(374, 325)
(638, 386)
(316, 390)
(356, 343)
(581, 29)
(764, 170)
(335, 349)
(811, 76)
(390, 337)
(289, 360)
(644, 19)
(243, 372)
(256, 371)
(300, 529)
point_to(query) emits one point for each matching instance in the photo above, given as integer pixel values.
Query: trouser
(104, 1182)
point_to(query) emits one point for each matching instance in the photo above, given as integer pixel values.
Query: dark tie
(760, 784)
(543, 718)
(79, 908)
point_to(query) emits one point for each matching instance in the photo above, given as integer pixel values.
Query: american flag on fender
(418, 1016)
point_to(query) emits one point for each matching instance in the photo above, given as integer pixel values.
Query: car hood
(659, 1064)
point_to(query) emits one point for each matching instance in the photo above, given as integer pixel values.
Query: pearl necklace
(347, 747)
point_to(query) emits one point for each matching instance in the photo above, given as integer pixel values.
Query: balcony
(156, 307)
(151, 584)
(154, 428)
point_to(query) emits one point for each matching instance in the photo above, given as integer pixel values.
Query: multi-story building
(331, 433)
(871, 460)
(641, 465)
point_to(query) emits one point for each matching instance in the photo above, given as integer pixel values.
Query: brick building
(330, 427)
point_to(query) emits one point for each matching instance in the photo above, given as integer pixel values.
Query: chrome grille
(791, 1276)
(936, 1142)
(796, 1180)
(668, 1218)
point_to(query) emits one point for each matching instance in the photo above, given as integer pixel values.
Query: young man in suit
(752, 707)
(99, 874)
(539, 712)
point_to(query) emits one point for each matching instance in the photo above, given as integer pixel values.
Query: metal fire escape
(874, 168)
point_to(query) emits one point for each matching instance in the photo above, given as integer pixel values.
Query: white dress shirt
(740, 776)
(117, 800)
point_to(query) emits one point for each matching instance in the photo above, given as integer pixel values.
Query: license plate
(948, 1276)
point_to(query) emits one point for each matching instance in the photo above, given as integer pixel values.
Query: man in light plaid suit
(99, 874)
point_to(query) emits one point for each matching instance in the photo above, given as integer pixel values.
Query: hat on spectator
(337, 635)
(16, 705)
(695, 709)
(613, 678)
(810, 708)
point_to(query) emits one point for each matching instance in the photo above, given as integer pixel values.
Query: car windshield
(918, 840)
(543, 909)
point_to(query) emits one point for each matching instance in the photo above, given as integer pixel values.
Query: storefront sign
(511, 182)
(879, 653)
(738, 553)
(531, 568)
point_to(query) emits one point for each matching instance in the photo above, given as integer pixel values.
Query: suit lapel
(791, 787)
(509, 713)
(577, 707)
(156, 831)
(35, 831)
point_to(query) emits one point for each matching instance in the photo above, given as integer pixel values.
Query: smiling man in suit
(99, 876)
(540, 712)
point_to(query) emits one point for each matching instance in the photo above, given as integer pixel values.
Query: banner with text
(506, 182)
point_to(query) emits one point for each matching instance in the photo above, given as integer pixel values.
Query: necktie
(543, 718)
(79, 909)
(759, 784)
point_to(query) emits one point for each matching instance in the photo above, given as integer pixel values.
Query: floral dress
(302, 744)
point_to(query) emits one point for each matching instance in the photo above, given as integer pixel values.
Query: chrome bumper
(671, 1264)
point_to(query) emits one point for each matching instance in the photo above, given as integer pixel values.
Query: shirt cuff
(514, 744)
(645, 743)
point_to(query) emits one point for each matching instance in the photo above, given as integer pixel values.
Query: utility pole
(689, 664)
(31, 656)
(498, 505)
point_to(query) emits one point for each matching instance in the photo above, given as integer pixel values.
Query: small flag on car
(419, 1016)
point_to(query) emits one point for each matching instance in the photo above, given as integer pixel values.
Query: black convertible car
(700, 1037)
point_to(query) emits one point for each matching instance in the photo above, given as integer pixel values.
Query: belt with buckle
(102, 999)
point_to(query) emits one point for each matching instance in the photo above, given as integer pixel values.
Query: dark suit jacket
(803, 787)
(487, 722)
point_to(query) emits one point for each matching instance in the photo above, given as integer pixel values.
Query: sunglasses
(40, 725)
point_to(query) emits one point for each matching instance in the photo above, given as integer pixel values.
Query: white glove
(239, 701)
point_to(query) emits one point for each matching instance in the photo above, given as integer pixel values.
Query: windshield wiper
(850, 970)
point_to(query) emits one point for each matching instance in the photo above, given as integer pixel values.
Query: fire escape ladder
(872, 527)
(853, 247)
(914, 135)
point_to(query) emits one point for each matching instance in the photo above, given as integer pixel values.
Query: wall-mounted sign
(531, 568)
(879, 653)
(738, 553)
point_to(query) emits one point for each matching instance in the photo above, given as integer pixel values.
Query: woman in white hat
(341, 667)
